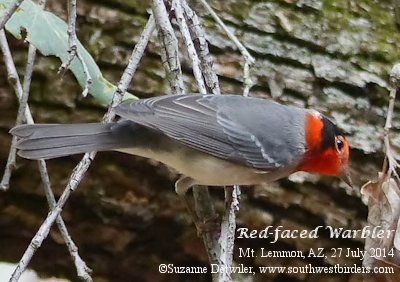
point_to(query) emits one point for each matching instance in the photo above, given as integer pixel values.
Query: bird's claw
(208, 225)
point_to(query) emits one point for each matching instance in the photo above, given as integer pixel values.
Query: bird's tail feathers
(46, 141)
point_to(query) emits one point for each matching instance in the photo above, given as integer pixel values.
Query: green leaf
(48, 33)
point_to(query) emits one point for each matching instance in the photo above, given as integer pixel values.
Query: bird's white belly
(203, 168)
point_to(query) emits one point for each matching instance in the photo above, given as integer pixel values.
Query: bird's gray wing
(228, 126)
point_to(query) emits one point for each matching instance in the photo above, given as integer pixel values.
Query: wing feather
(221, 126)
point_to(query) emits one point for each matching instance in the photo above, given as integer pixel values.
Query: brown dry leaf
(383, 214)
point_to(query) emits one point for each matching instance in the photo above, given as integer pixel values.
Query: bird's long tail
(46, 141)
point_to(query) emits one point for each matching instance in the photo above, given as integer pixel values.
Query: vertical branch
(177, 6)
(13, 79)
(169, 47)
(80, 170)
(201, 45)
(23, 100)
(390, 162)
(203, 204)
(73, 49)
(205, 211)
(228, 228)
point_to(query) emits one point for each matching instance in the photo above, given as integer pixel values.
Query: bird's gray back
(254, 132)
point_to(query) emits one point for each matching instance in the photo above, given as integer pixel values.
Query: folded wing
(235, 128)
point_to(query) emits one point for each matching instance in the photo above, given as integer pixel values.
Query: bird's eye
(339, 144)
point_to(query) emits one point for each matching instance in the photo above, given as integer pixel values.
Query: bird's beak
(345, 176)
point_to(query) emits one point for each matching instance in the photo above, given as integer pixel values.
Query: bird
(212, 140)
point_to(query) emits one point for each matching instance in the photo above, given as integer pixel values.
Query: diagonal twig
(249, 60)
(22, 95)
(84, 164)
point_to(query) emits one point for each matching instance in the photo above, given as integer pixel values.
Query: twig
(247, 81)
(228, 225)
(82, 270)
(11, 70)
(23, 100)
(73, 49)
(169, 48)
(10, 11)
(206, 212)
(177, 6)
(228, 228)
(249, 60)
(14, 81)
(390, 162)
(204, 207)
(232, 37)
(82, 167)
(201, 45)
(23, 93)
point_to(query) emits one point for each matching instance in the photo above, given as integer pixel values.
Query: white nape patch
(264, 154)
(315, 113)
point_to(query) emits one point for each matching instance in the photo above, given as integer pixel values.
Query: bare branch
(177, 6)
(83, 271)
(201, 45)
(391, 161)
(206, 212)
(169, 48)
(228, 228)
(73, 49)
(204, 207)
(80, 170)
(24, 110)
(13, 78)
(10, 11)
(249, 60)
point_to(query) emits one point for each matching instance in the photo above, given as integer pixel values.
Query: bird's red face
(327, 149)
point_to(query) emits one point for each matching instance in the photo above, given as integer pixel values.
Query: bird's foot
(211, 224)
(182, 185)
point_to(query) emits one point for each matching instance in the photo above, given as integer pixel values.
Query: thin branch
(73, 49)
(206, 212)
(249, 60)
(80, 170)
(204, 207)
(231, 36)
(10, 11)
(391, 164)
(24, 110)
(23, 100)
(228, 228)
(177, 6)
(228, 225)
(13, 79)
(169, 48)
(247, 81)
(83, 271)
(201, 45)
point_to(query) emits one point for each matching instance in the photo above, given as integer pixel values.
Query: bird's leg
(182, 185)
